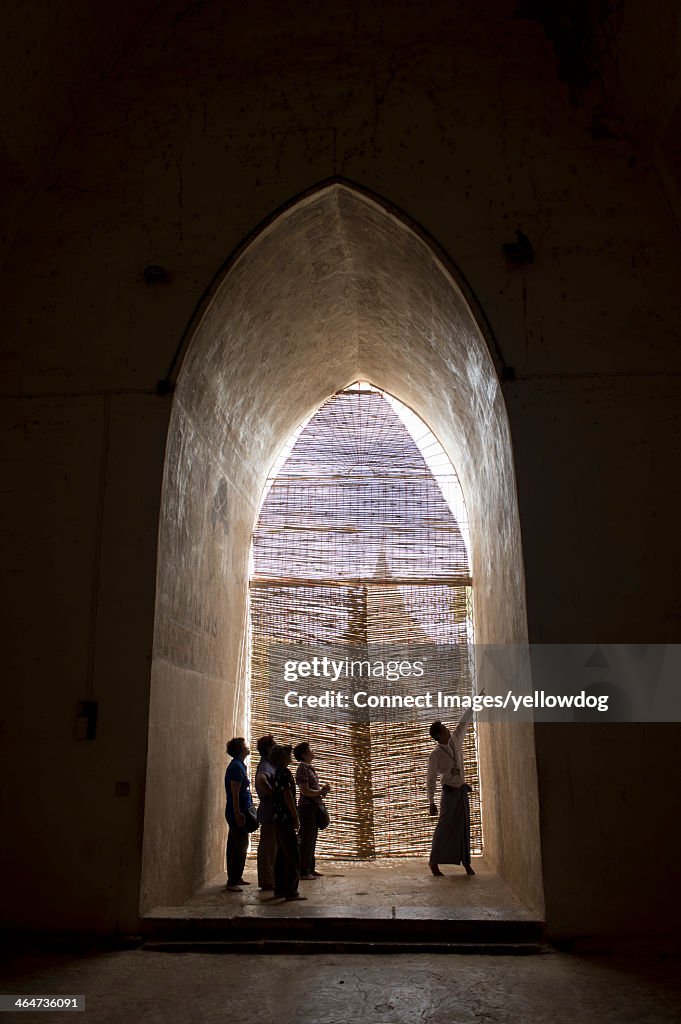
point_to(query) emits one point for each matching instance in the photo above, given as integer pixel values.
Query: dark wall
(201, 121)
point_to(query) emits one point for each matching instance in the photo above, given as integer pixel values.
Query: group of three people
(288, 828)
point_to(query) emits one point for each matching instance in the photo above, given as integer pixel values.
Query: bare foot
(435, 869)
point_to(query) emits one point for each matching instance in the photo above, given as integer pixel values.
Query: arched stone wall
(335, 288)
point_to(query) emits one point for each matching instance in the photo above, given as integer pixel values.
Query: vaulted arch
(334, 289)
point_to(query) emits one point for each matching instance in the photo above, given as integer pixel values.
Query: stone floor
(150, 987)
(188, 988)
(381, 889)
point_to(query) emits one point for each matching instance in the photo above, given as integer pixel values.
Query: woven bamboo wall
(356, 545)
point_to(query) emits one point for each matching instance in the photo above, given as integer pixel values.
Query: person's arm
(305, 789)
(431, 779)
(311, 792)
(464, 722)
(466, 719)
(264, 782)
(236, 790)
(314, 793)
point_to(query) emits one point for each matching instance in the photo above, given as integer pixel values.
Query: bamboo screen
(356, 545)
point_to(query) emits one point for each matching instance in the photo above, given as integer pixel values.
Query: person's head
(303, 752)
(237, 747)
(265, 744)
(280, 756)
(439, 732)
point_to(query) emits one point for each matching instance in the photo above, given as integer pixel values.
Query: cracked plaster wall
(335, 290)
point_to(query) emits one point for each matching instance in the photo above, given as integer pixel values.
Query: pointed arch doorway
(361, 557)
(336, 288)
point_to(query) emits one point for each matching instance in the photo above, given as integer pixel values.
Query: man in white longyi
(452, 836)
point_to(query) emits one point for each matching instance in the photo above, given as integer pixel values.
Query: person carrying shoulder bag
(313, 814)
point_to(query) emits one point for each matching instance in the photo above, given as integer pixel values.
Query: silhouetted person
(287, 823)
(452, 836)
(311, 795)
(238, 790)
(267, 842)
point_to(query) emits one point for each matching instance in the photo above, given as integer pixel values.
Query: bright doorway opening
(361, 552)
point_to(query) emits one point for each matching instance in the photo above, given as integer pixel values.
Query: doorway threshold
(377, 905)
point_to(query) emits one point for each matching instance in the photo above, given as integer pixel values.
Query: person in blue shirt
(238, 791)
